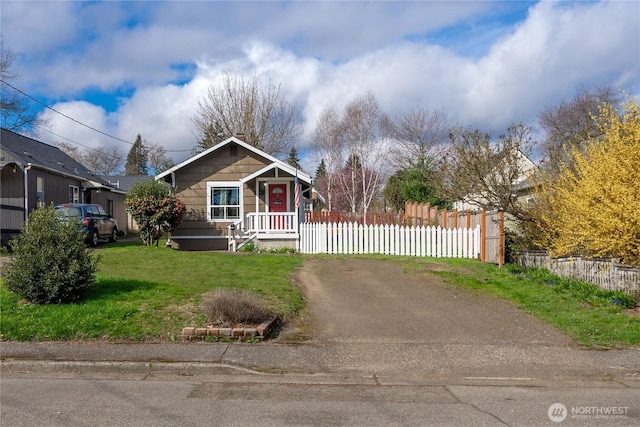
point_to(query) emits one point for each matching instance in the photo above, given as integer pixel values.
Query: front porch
(272, 229)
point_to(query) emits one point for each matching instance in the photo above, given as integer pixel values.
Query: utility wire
(64, 115)
(77, 121)
(97, 150)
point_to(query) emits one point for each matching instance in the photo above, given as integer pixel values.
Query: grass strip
(591, 316)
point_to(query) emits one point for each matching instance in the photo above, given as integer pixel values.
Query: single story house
(124, 183)
(33, 174)
(235, 193)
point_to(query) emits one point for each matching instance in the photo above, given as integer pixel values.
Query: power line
(97, 150)
(77, 121)
(64, 115)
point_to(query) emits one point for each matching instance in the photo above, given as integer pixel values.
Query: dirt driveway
(375, 301)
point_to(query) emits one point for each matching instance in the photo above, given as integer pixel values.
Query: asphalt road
(378, 347)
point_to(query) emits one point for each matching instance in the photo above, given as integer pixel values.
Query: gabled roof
(274, 162)
(282, 166)
(25, 151)
(125, 182)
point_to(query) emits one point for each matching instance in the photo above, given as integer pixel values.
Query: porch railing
(256, 224)
(270, 222)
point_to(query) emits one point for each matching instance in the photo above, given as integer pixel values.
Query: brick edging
(201, 334)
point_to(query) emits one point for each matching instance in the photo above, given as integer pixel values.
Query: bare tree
(105, 161)
(366, 130)
(420, 137)
(571, 123)
(15, 111)
(328, 147)
(158, 160)
(257, 110)
(487, 173)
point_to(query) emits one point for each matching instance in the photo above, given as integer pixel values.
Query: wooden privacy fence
(491, 226)
(605, 273)
(353, 238)
(370, 218)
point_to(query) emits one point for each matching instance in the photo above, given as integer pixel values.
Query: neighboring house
(524, 186)
(124, 183)
(235, 193)
(34, 174)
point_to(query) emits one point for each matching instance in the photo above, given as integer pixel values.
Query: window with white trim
(74, 194)
(39, 191)
(223, 201)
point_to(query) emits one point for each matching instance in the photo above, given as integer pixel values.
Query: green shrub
(51, 263)
(227, 307)
(249, 247)
(154, 209)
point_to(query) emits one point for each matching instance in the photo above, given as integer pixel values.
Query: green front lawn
(150, 294)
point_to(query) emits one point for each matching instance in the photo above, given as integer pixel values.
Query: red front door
(277, 203)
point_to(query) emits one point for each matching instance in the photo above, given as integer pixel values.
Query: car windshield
(69, 212)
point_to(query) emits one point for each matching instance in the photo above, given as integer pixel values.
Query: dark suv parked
(93, 218)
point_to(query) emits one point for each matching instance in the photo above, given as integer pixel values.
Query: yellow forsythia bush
(593, 207)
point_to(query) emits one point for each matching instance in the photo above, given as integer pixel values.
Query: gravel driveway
(366, 300)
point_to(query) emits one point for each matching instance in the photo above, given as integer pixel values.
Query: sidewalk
(394, 362)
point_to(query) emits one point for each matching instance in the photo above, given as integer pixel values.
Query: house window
(223, 200)
(74, 194)
(39, 191)
(110, 207)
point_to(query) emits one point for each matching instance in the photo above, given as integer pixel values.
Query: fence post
(501, 239)
(483, 234)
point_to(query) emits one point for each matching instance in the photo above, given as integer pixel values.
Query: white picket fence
(353, 238)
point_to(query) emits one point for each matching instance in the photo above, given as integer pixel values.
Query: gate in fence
(353, 238)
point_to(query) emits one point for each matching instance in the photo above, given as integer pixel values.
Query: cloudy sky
(129, 68)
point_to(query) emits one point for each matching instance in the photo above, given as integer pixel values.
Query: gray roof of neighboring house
(125, 182)
(26, 151)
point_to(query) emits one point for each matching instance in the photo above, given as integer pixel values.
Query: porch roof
(283, 167)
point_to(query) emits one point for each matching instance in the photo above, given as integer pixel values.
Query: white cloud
(32, 28)
(90, 115)
(319, 60)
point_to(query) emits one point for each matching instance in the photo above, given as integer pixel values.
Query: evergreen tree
(354, 162)
(322, 170)
(293, 158)
(212, 134)
(412, 185)
(137, 159)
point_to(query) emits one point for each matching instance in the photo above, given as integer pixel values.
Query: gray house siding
(113, 203)
(23, 161)
(12, 207)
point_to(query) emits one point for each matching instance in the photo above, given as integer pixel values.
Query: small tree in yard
(51, 262)
(154, 209)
